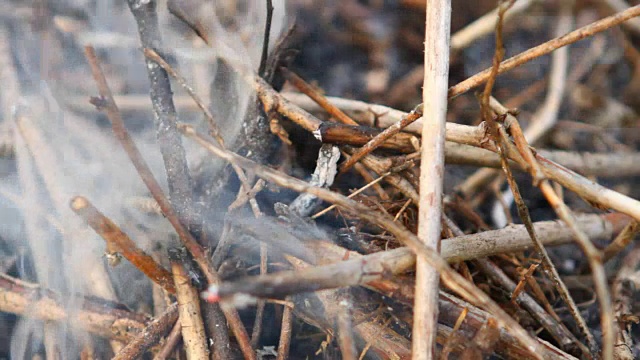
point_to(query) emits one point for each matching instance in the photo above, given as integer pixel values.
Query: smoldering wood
(169, 140)
(323, 176)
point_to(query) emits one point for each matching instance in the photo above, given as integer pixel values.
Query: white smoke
(61, 153)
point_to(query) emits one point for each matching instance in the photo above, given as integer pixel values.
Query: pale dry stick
(434, 98)
(190, 316)
(363, 269)
(129, 102)
(449, 277)
(368, 185)
(485, 25)
(344, 326)
(588, 164)
(621, 241)
(10, 94)
(374, 143)
(122, 243)
(149, 335)
(546, 48)
(285, 332)
(155, 189)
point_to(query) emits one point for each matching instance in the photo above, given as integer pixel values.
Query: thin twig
(546, 48)
(621, 241)
(285, 333)
(265, 41)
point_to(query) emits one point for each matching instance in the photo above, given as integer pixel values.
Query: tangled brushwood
(295, 179)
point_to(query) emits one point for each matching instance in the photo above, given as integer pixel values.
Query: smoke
(61, 152)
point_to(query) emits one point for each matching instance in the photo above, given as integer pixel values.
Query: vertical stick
(436, 67)
(190, 317)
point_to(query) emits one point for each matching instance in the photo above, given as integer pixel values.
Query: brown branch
(379, 139)
(546, 48)
(357, 135)
(312, 93)
(285, 333)
(121, 243)
(107, 103)
(149, 335)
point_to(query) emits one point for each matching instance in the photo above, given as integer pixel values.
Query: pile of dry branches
(295, 263)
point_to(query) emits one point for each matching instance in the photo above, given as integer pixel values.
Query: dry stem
(193, 335)
(434, 98)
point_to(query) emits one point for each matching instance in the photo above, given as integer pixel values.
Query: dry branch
(193, 335)
(365, 269)
(434, 98)
(121, 243)
(102, 318)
